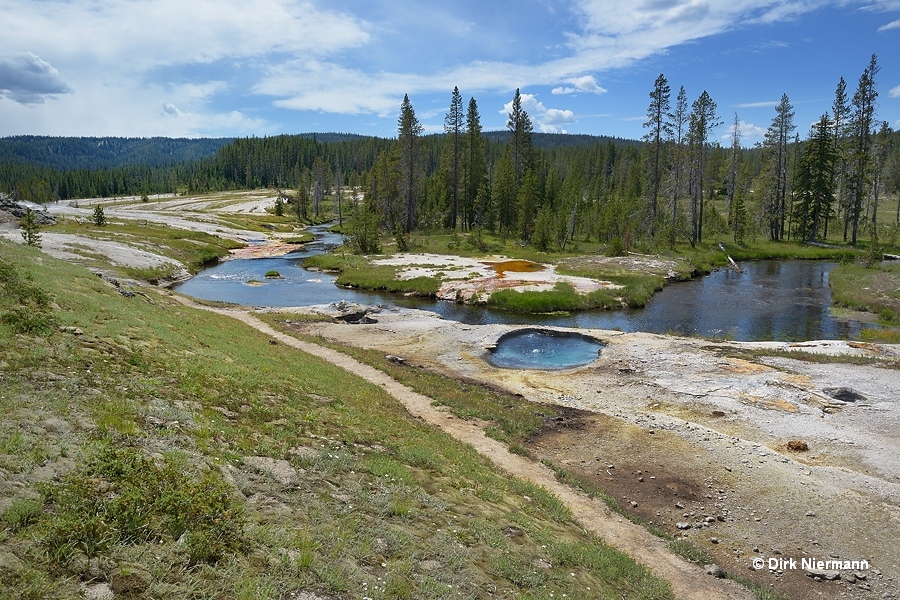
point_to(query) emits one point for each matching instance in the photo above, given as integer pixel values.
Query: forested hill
(72, 153)
(561, 140)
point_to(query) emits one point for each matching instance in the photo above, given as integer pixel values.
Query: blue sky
(198, 68)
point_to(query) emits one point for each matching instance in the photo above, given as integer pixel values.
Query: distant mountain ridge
(72, 153)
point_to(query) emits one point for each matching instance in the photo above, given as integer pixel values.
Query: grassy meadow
(167, 452)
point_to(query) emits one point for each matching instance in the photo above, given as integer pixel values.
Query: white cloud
(764, 104)
(891, 25)
(545, 120)
(895, 92)
(747, 131)
(172, 110)
(585, 83)
(27, 79)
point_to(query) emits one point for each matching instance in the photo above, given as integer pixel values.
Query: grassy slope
(106, 436)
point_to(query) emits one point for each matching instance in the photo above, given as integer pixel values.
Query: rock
(715, 570)
(810, 513)
(823, 574)
(844, 394)
(797, 446)
(98, 591)
(17, 209)
(280, 470)
(683, 525)
(10, 563)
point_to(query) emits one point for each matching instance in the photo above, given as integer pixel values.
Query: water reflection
(768, 300)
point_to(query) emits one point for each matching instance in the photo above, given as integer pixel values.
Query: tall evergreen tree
(679, 118)
(776, 144)
(519, 123)
(815, 181)
(475, 169)
(734, 161)
(862, 121)
(504, 194)
(451, 161)
(840, 111)
(410, 164)
(703, 119)
(660, 129)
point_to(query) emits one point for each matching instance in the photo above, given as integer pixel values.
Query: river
(768, 300)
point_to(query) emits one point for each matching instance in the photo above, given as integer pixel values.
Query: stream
(769, 300)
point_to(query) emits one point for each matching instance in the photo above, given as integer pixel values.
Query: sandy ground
(695, 443)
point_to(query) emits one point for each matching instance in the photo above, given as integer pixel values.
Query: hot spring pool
(544, 349)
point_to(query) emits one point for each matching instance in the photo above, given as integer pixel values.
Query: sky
(235, 68)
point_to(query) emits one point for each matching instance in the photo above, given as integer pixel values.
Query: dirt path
(688, 580)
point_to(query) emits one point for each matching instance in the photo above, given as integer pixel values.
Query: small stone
(821, 574)
(714, 540)
(679, 505)
(810, 513)
(634, 504)
(715, 570)
(683, 525)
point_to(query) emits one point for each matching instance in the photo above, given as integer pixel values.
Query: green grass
(149, 420)
(359, 272)
(874, 289)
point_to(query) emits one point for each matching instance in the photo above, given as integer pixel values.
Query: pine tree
(703, 119)
(840, 110)
(815, 181)
(679, 118)
(99, 218)
(30, 229)
(504, 195)
(452, 159)
(776, 144)
(410, 164)
(660, 129)
(521, 150)
(862, 120)
(734, 160)
(475, 167)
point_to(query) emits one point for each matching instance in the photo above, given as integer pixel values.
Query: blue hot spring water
(544, 349)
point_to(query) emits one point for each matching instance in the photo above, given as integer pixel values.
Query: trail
(689, 581)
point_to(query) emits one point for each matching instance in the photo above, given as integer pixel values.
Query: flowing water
(768, 300)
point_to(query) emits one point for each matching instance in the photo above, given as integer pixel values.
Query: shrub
(123, 496)
(27, 306)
